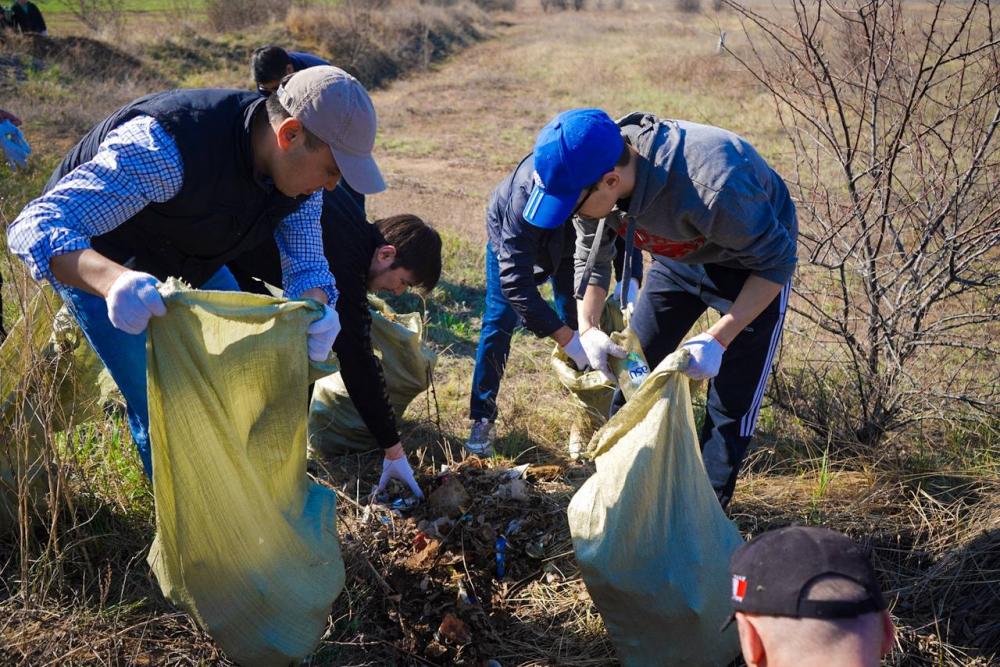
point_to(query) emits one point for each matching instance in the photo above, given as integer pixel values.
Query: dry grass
(448, 136)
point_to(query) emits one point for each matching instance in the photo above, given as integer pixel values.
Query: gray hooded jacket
(702, 196)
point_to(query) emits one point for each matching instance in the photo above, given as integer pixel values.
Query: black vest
(220, 211)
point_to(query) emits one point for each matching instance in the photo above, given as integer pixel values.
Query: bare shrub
(225, 15)
(378, 46)
(892, 114)
(554, 4)
(688, 6)
(99, 16)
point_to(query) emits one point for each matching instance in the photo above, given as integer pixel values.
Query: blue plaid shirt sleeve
(137, 163)
(300, 244)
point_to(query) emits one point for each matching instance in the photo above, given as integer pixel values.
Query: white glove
(574, 350)
(322, 333)
(706, 356)
(399, 469)
(597, 345)
(132, 300)
(15, 148)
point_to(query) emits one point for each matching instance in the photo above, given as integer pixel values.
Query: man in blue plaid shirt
(177, 184)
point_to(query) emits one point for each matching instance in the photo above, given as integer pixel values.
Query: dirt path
(447, 137)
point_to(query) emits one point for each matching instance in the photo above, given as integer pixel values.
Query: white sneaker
(481, 437)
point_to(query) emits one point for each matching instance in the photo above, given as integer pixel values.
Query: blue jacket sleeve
(516, 250)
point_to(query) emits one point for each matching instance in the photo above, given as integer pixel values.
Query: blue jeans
(499, 322)
(124, 354)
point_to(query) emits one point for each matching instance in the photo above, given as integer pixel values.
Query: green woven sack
(335, 427)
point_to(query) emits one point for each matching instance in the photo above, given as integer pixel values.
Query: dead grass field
(447, 136)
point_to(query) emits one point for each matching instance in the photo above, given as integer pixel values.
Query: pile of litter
(450, 562)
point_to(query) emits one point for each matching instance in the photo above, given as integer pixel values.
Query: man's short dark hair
(276, 113)
(418, 247)
(268, 63)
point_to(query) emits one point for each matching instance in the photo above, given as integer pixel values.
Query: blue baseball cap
(571, 154)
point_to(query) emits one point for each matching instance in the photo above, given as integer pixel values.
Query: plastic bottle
(501, 556)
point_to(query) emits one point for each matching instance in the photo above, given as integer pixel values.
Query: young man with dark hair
(181, 182)
(270, 64)
(393, 255)
(722, 230)
(808, 597)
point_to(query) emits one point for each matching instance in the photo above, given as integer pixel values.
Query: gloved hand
(15, 149)
(322, 333)
(574, 350)
(398, 469)
(132, 300)
(597, 345)
(706, 356)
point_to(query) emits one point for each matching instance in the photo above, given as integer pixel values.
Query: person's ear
(888, 634)
(750, 643)
(387, 254)
(289, 69)
(287, 131)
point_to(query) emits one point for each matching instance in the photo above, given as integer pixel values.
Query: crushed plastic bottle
(633, 370)
(501, 556)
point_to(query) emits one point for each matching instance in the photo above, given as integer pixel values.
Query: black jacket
(527, 255)
(349, 242)
(27, 18)
(222, 209)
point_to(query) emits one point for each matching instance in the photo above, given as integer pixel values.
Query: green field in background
(49, 7)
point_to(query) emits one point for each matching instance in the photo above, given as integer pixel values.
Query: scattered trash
(552, 573)
(514, 527)
(535, 549)
(501, 556)
(465, 600)
(516, 489)
(517, 471)
(454, 630)
(450, 499)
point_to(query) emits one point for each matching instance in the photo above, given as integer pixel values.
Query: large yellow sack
(335, 427)
(589, 392)
(245, 542)
(651, 540)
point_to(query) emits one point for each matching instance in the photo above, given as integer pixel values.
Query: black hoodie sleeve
(360, 368)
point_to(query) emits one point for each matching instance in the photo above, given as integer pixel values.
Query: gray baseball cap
(335, 107)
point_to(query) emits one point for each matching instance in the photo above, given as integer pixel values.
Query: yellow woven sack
(651, 540)
(245, 542)
(335, 427)
(590, 393)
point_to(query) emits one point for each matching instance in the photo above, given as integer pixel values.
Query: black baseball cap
(771, 574)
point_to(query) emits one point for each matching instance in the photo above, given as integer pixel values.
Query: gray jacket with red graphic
(702, 195)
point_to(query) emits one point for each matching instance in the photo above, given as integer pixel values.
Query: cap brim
(360, 172)
(547, 210)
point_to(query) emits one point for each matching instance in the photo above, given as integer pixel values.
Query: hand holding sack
(598, 345)
(322, 333)
(132, 300)
(706, 356)
(574, 350)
